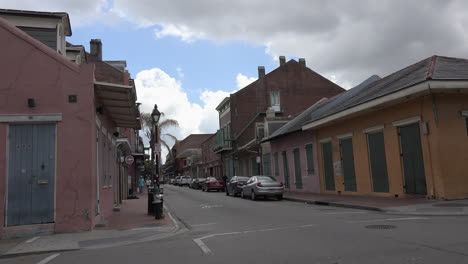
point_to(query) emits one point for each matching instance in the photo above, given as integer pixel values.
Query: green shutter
(285, 169)
(347, 158)
(328, 166)
(267, 165)
(276, 164)
(378, 162)
(413, 162)
(241, 169)
(466, 121)
(310, 159)
(297, 168)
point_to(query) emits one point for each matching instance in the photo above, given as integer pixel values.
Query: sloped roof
(322, 106)
(432, 68)
(60, 15)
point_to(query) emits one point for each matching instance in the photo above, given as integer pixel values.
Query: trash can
(150, 203)
(158, 208)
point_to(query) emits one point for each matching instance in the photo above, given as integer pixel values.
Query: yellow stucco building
(405, 135)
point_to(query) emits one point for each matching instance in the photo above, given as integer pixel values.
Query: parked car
(171, 181)
(234, 185)
(197, 183)
(185, 180)
(177, 180)
(212, 183)
(265, 186)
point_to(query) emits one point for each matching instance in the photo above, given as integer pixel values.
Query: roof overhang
(418, 89)
(55, 15)
(119, 102)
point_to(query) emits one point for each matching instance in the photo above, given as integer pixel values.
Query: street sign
(157, 147)
(129, 159)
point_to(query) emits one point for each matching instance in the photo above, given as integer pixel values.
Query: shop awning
(119, 102)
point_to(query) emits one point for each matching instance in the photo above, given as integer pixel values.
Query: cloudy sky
(186, 55)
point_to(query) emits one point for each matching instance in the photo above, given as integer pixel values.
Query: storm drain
(450, 205)
(380, 226)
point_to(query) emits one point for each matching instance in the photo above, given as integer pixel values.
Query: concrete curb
(14, 255)
(177, 229)
(371, 208)
(325, 203)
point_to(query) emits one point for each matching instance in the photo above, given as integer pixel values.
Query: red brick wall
(299, 88)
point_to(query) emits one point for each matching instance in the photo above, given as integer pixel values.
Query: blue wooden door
(31, 174)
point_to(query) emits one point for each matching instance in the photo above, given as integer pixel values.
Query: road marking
(32, 239)
(49, 258)
(204, 224)
(208, 206)
(390, 219)
(335, 213)
(207, 251)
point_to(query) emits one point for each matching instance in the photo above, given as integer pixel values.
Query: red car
(212, 183)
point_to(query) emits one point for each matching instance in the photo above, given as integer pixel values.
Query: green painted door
(285, 169)
(328, 166)
(378, 162)
(347, 159)
(297, 168)
(412, 156)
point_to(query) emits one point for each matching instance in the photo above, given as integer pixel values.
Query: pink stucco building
(293, 154)
(61, 151)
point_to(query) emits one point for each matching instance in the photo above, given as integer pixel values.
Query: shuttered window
(241, 169)
(276, 164)
(466, 120)
(378, 163)
(285, 169)
(310, 159)
(267, 164)
(297, 168)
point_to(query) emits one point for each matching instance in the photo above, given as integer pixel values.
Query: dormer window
(275, 100)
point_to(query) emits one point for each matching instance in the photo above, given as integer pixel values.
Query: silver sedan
(265, 186)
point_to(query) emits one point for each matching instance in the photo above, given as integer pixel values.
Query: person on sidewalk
(141, 184)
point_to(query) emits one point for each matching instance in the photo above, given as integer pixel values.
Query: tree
(147, 124)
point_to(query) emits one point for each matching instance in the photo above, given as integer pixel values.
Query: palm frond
(167, 123)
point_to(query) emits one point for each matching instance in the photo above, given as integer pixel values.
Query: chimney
(261, 72)
(282, 60)
(96, 48)
(302, 62)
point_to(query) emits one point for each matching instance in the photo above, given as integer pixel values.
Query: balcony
(223, 140)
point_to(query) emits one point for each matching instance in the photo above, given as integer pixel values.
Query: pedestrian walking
(141, 184)
(225, 182)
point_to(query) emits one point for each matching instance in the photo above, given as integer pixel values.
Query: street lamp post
(155, 115)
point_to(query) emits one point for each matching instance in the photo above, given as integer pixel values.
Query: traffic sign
(129, 159)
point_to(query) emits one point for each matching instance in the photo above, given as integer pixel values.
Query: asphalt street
(222, 229)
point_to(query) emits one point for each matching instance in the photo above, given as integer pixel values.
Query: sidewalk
(127, 226)
(404, 206)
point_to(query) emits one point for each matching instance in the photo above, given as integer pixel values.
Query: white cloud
(242, 80)
(337, 37)
(154, 86)
(83, 12)
(181, 31)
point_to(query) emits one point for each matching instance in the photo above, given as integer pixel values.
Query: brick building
(212, 165)
(287, 91)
